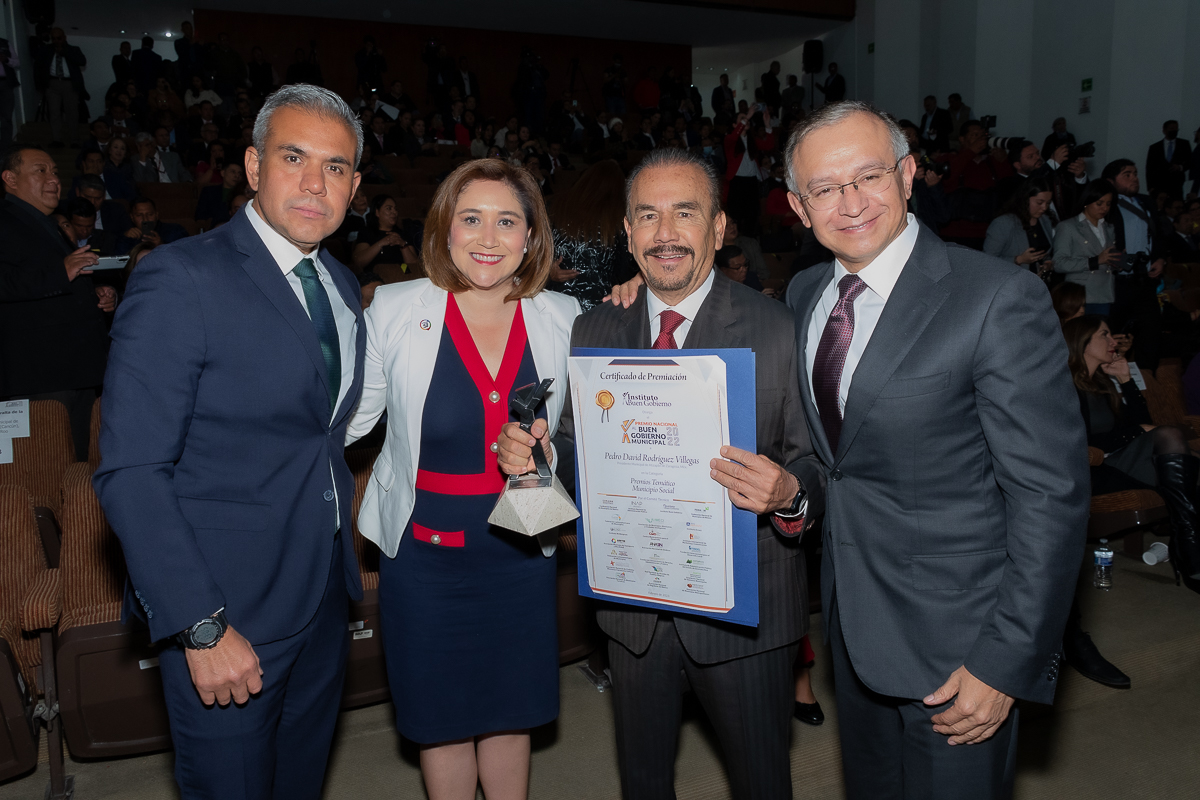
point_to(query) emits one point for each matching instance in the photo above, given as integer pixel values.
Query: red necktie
(668, 321)
(831, 357)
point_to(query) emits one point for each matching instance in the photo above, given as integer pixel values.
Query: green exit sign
(871, 48)
(1086, 85)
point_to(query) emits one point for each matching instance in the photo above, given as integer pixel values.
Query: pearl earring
(526, 250)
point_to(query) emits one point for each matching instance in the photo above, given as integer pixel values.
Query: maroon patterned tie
(668, 321)
(831, 357)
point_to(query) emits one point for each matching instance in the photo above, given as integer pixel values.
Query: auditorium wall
(493, 55)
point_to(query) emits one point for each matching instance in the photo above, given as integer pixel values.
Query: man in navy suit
(236, 363)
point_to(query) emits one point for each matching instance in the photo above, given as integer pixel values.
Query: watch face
(206, 632)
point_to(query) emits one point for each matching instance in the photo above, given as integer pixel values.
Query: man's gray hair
(91, 182)
(832, 114)
(676, 157)
(312, 99)
(143, 137)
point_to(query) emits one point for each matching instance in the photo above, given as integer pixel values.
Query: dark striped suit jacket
(731, 316)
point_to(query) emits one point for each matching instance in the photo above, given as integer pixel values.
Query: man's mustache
(668, 250)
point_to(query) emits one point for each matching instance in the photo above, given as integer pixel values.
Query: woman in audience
(198, 93)
(479, 142)
(468, 609)
(1084, 249)
(732, 262)
(215, 204)
(163, 98)
(118, 167)
(1068, 299)
(1022, 233)
(1138, 454)
(209, 171)
(382, 242)
(591, 250)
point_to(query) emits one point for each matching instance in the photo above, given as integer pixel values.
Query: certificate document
(657, 529)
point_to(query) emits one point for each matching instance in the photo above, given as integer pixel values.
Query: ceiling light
(168, 34)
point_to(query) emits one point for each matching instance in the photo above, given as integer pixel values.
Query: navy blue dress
(468, 609)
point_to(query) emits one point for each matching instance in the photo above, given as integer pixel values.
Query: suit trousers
(891, 752)
(277, 744)
(62, 107)
(748, 700)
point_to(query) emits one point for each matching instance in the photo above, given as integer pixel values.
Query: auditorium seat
(422, 193)
(1126, 514)
(411, 208)
(340, 249)
(435, 165)
(110, 689)
(173, 200)
(366, 677)
(405, 177)
(18, 731)
(564, 179)
(94, 437)
(373, 189)
(40, 459)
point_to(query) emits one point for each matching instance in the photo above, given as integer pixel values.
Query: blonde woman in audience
(468, 609)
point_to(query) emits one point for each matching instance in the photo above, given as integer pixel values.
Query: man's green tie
(321, 314)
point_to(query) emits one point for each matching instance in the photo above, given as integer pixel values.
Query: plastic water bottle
(1102, 577)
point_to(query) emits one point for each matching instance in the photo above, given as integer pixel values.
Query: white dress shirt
(287, 256)
(687, 308)
(1096, 229)
(880, 276)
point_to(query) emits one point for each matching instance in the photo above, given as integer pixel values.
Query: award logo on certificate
(656, 530)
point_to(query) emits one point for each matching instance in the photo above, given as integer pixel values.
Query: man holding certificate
(741, 674)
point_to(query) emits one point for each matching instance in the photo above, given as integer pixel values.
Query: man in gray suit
(936, 388)
(741, 675)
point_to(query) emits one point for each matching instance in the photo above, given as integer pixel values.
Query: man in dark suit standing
(122, 66)
(935, 127)
(935, 383)
(235, 366)
(1168, 160)
(770, 86)
(834, 87)
(58, 75)
(722, 95)
(146, 65)
(52, 329)
(741, 675)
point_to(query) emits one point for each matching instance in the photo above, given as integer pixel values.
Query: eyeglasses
(870, 183)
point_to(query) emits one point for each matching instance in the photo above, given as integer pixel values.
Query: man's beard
(674, 280)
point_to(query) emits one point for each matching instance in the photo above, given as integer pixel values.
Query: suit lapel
(634, 324)
(914, 300)
(346, 291)
(425, 320)
(803, 321)
(711, 328)
(260, 265)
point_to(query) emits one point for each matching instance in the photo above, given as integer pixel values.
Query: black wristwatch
(797, 503)
(205, 634)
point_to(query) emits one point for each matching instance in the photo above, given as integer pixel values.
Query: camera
(1004, 142)
(1137, 262)
(1085, 150)
(939, 168)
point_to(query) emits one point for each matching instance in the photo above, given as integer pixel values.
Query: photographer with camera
(972, 184)
(1065, 184)
(929, 202)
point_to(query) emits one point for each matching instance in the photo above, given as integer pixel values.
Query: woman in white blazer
(467, 609)
(1084, 248)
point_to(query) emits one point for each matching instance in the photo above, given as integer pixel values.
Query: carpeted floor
(1094, 743)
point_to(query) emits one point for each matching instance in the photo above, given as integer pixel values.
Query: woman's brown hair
(530, 278)
(594, 206)
(1078, 333)
(1068, 298)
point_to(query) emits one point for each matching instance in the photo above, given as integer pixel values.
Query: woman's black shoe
(809, 713)
(1177, 474)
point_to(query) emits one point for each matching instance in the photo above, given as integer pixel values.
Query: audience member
(370, 63)
(935, 127)
(358, 218)
(147, 65)
(228, 69)
(197, 93)
(58, 75)
(959, 112)
(118, 166)
(834, 85)
(383, 242)
(120, 123)
(213, 206)
(80, 218)
(417, 143)
(741, 171)
(1138, 453)
(189, 54)
(1138, 232)
(1085, 250)
(397, 98)
(163, 98)
(208, 169)
(732, 262)
(52, 332)
(770, 85)
(149, 229)
(110, 215)
(591, 249)
(260, 73)
(722, 95)
(1023, 233)
(122, 65)
(1068, 299)
(1183, 247)
(749, 247)
(612, 87)
(1168, 160)
(305, 68)
(115, 185)
(157, 165)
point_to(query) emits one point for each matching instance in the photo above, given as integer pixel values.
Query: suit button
(494, 396)
(495, 447)
(836, 474)
(328, 495)
(435, 539)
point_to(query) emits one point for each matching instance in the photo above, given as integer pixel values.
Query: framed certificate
(655, 529)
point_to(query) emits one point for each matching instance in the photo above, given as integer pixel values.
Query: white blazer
(404, 329)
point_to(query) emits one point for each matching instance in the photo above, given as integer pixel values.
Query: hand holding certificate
(657, 528)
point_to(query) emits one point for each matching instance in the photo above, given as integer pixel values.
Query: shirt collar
(286, 254)
(881, 275)
(689, 306)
